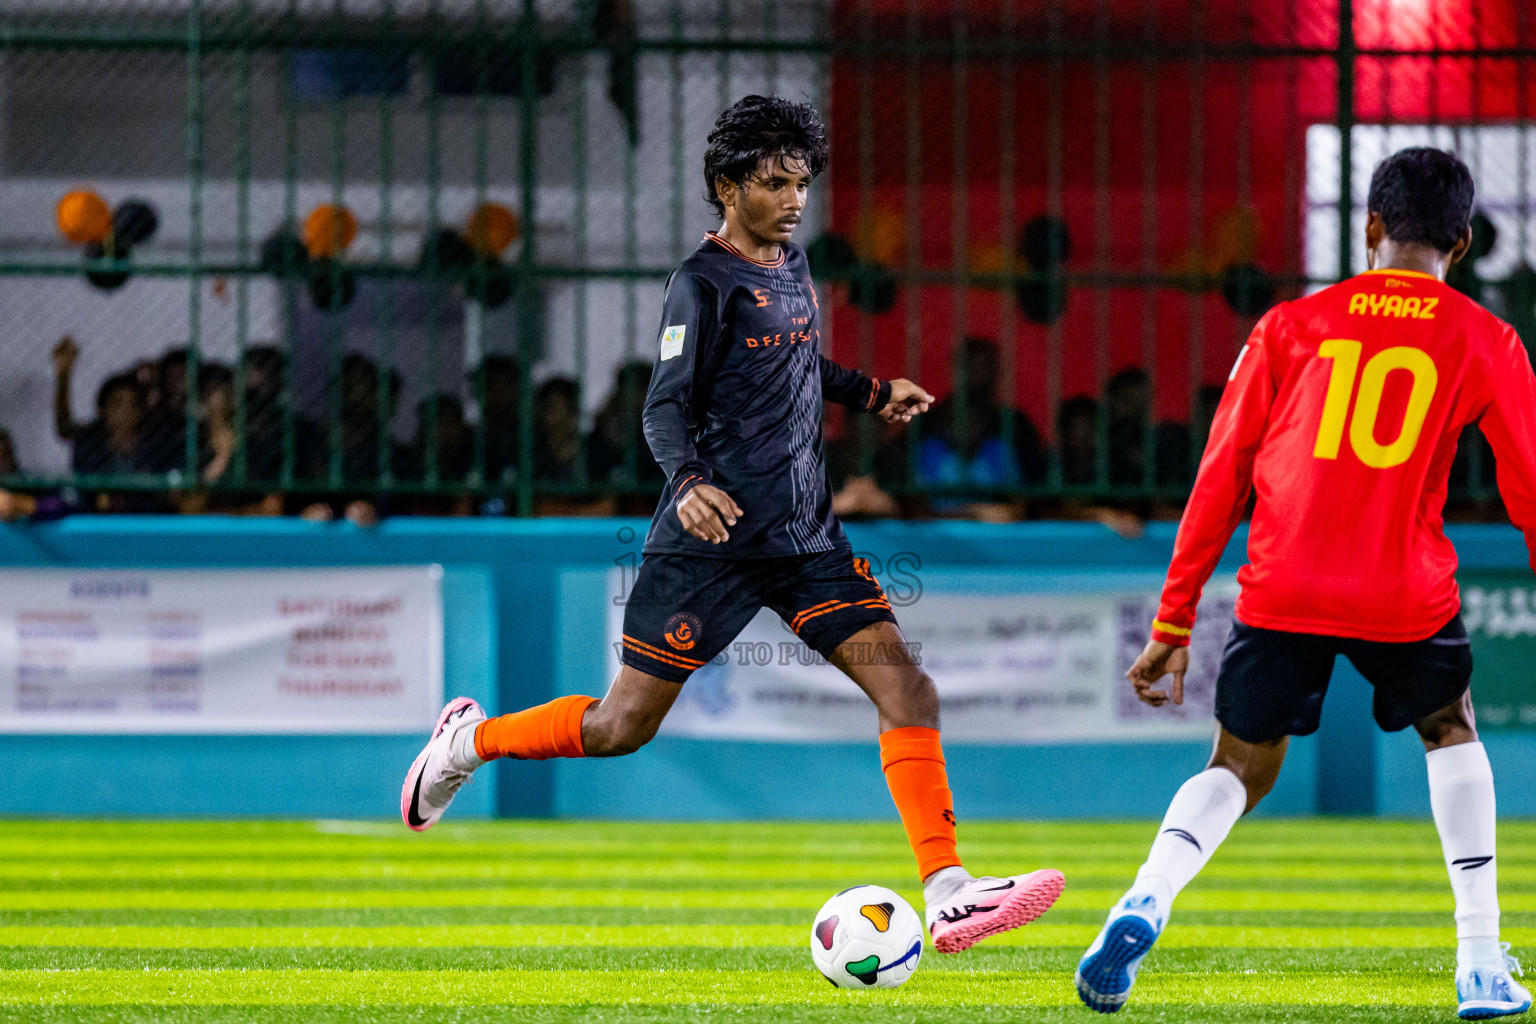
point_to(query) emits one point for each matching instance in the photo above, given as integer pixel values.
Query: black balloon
(872, 288)
(490, 283)
(1043, 301)
(106, 280)
(1248, 289)
(445, 254)
(284, 254)
(1045, 243)
(134, 222)
(830, 256)
(331, 285)
(1484, 236)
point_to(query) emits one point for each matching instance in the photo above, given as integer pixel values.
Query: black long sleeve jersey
(736, 401)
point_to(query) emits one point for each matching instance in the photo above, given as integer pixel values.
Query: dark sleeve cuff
(688, 478)
(879, 395)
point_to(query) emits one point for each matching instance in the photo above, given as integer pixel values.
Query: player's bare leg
(629, 714)
(1462, 798)
(621, 722)
(961, 910)
(1239, 775)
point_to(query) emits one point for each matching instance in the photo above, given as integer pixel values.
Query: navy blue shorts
(1272, 683)
(684, 609)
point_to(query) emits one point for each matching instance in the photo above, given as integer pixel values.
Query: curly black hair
(758, 128)
(1424, 195)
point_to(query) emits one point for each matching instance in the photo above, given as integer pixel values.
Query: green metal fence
(410, 252)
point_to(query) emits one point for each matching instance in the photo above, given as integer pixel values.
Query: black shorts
(1272, 683)
(684, 609)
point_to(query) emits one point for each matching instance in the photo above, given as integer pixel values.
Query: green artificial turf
(345, 922)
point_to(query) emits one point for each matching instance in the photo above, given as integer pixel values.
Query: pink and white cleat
(987, 906)
(436, 774)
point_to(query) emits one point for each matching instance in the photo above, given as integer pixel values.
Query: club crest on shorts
(682, 631)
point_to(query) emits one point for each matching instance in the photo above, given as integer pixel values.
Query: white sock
(461, 746)
(1203, 811)
(944, 883)
(1461, 796)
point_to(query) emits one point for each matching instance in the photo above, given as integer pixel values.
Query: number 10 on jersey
(1345, 356)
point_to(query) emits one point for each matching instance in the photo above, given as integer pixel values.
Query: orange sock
(913, 762)
(537, 734)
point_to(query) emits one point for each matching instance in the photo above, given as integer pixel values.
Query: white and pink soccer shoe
(436, 775)
(987, 906)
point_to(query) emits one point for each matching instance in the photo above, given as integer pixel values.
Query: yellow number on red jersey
(1345, 356)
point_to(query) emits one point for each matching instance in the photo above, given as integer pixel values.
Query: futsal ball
(867, 937)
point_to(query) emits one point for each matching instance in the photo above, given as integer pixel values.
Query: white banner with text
(221, 651)
(1011, 666)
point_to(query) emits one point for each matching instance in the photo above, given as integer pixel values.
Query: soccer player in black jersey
(734, 417)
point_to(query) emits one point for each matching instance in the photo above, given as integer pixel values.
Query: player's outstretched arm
(705, 511)
(1216, 502)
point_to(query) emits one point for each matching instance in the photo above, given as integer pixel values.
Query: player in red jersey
(1342, 416)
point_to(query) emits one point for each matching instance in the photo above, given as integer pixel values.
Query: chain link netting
(271, 255)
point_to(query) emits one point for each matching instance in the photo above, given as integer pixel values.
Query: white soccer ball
(867, 937)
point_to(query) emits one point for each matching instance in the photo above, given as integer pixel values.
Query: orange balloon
(492, 228)
(881, 235)
(987, 261)
(328, 230)
(84, 217)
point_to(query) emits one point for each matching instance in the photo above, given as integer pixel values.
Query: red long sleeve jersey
(1342, 414)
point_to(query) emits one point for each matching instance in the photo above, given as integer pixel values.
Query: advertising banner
(216, 651)
(1499, 610)
(1013, 664)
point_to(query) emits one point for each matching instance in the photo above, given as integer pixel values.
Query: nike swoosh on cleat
(415, 818)
(999, 888)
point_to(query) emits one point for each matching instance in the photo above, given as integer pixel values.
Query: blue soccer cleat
(1108, 970)
(1485, 992)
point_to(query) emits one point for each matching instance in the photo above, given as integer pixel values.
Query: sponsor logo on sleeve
(672, 341)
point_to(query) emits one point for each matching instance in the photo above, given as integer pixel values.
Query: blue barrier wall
(508, 644)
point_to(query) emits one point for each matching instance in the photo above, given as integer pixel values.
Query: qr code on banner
(1133, 622)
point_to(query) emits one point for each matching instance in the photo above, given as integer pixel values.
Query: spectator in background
(619, 435)
(497, 387)
(16, 504)
(162, 390)
(65, 354)
(220, 448)
(1179, 447)
(165, 410)
(113, 444)
(264, 370)
(368, 454)
(1077, 440)
(971, 438)
(443, 443)
(1474, 471)
(8, 464)
(216, 411)
(557, 431)
(443, 440)
(1128, 405)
